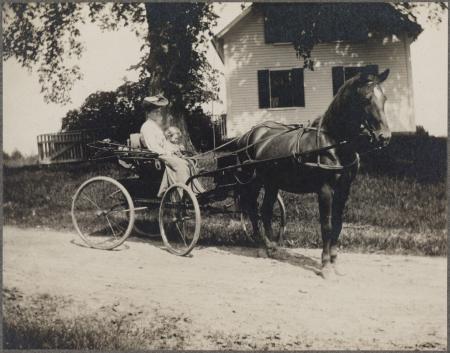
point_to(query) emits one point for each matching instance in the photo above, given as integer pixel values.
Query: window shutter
(263, 88)
(372, 69)
(337, 73)
(298, 86)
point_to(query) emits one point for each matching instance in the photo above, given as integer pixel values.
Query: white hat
(155, 101)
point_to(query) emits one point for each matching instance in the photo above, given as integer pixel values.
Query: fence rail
(65, 147)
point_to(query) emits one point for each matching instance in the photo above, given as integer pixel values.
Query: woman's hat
(155, 102)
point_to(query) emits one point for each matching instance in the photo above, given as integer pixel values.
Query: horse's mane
(338, 103)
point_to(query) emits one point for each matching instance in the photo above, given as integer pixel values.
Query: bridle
(365, 130)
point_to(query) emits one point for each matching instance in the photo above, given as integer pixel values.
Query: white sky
(108, 55)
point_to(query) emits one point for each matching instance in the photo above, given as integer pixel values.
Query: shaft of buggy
(253, 163)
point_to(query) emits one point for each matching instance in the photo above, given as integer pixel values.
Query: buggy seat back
(137, 141)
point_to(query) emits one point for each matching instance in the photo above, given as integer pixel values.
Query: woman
(178, 170)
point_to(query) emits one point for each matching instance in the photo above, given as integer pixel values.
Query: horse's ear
(383, 76)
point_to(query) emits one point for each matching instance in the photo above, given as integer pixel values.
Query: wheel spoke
(113, 193)
(112, 229)
(87, 198)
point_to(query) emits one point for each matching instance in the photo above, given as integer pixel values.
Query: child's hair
(173, 134)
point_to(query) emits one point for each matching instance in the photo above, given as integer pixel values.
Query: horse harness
(298, 155)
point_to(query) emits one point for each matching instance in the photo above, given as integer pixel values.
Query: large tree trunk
(160, 76)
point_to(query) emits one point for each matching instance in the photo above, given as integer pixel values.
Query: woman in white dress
(178, 170)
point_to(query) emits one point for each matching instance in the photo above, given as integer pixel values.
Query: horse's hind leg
(270, 197)
(249, 202)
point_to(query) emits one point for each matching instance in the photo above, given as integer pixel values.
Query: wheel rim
(103, 213)
(179, 220)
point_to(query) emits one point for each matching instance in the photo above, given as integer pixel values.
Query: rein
(296, 155)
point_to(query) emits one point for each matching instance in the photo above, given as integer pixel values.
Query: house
(266, 80)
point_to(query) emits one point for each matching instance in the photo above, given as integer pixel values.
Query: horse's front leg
(339, 200)
(325, 196)
(270, 197)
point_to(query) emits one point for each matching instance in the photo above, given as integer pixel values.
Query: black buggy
(106, 211)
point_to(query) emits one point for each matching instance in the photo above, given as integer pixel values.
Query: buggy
(106, 211)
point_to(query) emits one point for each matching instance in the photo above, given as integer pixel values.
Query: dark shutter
(352, 71)
(337, 73)
(298, 91)
(263, 89)
(371, 69)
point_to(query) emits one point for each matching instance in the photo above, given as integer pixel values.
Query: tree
(16, 155)
(117, 114)
(46, 36)
(6, 156)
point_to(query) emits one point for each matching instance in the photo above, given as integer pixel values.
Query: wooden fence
(65, 147)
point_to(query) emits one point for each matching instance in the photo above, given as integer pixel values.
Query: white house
(265, 80)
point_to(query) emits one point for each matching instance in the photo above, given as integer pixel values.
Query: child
(173, 143)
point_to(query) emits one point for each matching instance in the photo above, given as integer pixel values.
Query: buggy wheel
(179, 219)
(103, 213)
(278, 219)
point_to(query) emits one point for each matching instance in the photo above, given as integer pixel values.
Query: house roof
(217, 40)
(344, 21)
(234, 22)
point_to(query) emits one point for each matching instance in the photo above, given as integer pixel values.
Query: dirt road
(382, 302)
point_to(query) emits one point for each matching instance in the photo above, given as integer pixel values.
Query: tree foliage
(118, 113)
(46, 36)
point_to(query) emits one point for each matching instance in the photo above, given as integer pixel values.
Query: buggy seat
(137, 141)
(141, 166)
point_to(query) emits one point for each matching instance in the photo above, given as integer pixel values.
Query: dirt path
(383, 302)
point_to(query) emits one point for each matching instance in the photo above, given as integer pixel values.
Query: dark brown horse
(354, 122)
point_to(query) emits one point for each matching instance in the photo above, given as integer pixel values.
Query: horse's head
(361, 103)
(373, 120)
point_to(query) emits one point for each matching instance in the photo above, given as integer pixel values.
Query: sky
(108, 55)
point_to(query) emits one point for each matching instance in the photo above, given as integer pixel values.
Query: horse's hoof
(270, 245)
(327, 271)
(271, 250)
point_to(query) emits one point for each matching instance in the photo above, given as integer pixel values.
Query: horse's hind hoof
(271, 249)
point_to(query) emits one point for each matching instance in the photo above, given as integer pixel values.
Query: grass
(37, 323)
(390, 208)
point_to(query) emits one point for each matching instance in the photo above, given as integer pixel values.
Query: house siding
(245, 52)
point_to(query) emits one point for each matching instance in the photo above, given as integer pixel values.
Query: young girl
(173, 143)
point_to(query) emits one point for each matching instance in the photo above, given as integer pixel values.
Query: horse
(323, 158)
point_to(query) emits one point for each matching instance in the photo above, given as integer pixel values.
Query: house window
(281, 88)
(341, 74)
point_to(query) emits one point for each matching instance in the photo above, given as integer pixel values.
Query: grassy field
(39, 323)
(393, 213)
